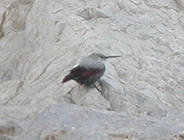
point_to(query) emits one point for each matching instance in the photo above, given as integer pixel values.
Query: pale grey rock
(40, 41)
(89, 13)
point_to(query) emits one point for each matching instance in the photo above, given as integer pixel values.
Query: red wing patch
(89, 73)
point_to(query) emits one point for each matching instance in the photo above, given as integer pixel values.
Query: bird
(89, 70)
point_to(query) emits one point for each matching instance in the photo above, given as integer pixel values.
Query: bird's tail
(67, 78)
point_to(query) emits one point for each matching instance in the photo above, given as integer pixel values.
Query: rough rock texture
(41, 40)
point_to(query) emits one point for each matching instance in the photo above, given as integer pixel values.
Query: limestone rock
(40, 41)
(89, 13)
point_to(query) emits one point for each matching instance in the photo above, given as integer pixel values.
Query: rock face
(40, 41)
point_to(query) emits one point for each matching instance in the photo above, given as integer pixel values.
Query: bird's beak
(105, 57)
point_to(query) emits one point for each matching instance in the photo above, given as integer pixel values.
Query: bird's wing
(85, 72)
(72, 74)
(90, 72)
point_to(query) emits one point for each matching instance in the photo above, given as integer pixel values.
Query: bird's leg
(101, 83)
(97, 88)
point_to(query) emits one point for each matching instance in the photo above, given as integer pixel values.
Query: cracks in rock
(129, 8)
(121, 136)
(1, 25)
(116, 70)
(179, 98)
(35, 61)
(118, 5)
(159, 7)
(91, 12)
(17, 15)
(159, 99)
(44, 70)
(179, 4)
(70, 98)
(31, 2)
(138, 3)
(16, 92)
(136, 59)
(79, 31)
(20, 86)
